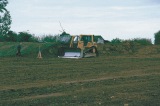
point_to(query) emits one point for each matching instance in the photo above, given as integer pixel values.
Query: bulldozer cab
(86, 39)
(74, 41)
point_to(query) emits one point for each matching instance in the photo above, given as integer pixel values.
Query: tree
(11, 36)
(157, 38)
(49, 38)
(24, 37)
(5, 19)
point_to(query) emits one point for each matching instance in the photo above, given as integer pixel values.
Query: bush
(118, 46)
(116, 41)
(11, 36)
(142, 41)
(49, 38)
(33, 39)
(157, 38)
(2, 38)
(24, 37)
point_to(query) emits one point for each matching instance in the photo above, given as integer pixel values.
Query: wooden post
(39, 54)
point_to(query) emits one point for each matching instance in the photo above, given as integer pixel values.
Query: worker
(19, 50)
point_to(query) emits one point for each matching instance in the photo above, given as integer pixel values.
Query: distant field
(105, 80)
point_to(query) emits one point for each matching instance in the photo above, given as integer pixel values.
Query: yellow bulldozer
(79, 47)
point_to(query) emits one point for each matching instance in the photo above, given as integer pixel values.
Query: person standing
(19, 50)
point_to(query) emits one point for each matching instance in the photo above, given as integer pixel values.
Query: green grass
(28, 49)
(105, 80)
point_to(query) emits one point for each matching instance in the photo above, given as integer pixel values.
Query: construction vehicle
(79, 47)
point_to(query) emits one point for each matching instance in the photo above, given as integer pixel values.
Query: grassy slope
(31, 49)
(108, 81)
(28, 49)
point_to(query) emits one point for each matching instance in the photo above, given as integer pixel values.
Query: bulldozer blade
(71, 55)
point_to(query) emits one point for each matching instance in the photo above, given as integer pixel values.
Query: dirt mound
(108, 49)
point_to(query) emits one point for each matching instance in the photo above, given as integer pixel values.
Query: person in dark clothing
(18, 50)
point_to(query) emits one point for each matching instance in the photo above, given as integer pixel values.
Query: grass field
(29, 49)
(106, 80)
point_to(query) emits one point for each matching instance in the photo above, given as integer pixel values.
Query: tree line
(26, 37)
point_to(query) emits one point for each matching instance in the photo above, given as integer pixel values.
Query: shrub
(142, 41)
(33, 39)
(48, 38)
(116, 41)
(157, 38)
(24, 37)
(11, 36)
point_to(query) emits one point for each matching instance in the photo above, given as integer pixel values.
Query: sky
(124, 19)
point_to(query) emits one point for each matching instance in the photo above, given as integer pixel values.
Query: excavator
(81, 46)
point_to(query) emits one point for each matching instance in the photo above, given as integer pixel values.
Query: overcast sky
(124, 19)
